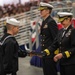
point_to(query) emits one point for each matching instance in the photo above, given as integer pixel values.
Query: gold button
(43, 45)
(60, 42)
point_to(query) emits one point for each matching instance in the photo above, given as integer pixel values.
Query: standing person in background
(65, 41)
(48, 32)
(10, 47)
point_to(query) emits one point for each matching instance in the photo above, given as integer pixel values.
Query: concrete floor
(26, 69)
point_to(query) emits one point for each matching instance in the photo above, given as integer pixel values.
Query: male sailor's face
(43, 13)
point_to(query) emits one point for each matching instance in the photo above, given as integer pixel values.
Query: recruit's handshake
(24, 53)
(34, 53)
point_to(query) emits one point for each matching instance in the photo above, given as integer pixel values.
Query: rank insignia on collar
(68, 33)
